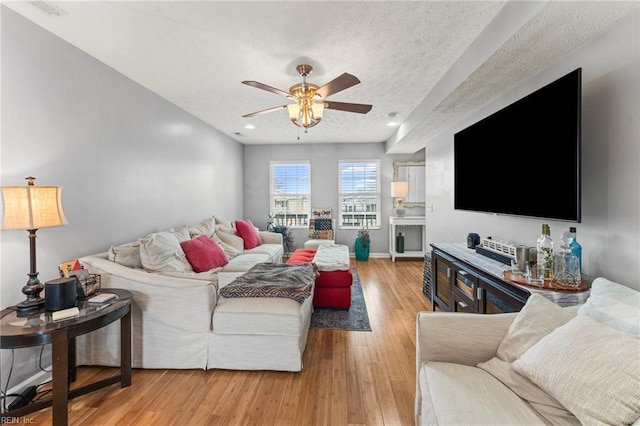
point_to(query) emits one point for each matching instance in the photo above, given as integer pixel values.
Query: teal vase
(362, 253)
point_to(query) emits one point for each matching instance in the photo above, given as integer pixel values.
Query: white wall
(324, 183)
(128, 161)
(610, 228)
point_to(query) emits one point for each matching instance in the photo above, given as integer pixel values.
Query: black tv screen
(525, 159)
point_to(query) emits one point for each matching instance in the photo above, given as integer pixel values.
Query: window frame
(378, 198)
(273, 195)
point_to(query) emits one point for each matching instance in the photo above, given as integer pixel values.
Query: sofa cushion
(455, 394)
(591, 369)
(613, 305)
(244, 262)
(204, 254)
(249, 234)
(538, 317)
(261, 316)
(161, 252)
(274, 251)
(126, 255)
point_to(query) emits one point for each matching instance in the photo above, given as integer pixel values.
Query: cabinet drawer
(465, 282)
(462, 305)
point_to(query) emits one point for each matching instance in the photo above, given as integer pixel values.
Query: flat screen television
(524, 159)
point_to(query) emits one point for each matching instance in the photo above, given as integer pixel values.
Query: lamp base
(399, 210)
(29, 306)
(32, 290)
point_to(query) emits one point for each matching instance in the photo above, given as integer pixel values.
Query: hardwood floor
(349, 377)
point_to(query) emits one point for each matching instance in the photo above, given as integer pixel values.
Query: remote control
(65, 314)
(102, 298)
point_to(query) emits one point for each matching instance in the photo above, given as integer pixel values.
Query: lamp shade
(399, 189)
(32, 207)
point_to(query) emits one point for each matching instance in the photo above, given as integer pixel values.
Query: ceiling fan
(310, 98)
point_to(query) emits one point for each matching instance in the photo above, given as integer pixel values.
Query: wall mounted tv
(524, 160)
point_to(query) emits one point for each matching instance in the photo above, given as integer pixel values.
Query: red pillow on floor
(248, 232)
(203, 253)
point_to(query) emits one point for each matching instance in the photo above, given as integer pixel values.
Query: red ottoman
(332, 288)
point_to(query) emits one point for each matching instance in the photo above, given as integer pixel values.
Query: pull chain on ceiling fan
(309, 100)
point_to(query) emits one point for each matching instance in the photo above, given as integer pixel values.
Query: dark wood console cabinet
(462, 287)
(464, 281)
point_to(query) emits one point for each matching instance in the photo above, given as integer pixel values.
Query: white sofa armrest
(459, 337)
(270, 237)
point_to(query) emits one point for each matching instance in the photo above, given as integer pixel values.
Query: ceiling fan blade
(267, 88)
(345, 106)
(338, 84)
(264, 111)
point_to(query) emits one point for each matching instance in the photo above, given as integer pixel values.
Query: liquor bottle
(566, 265)
(576, 248)
(545, 251)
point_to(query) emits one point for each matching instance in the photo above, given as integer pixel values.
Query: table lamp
(31, 208)
(399, 190)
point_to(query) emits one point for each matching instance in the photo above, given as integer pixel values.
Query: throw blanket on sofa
(274, 280)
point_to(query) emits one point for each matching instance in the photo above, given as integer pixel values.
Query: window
(290, 189)
(359, 194)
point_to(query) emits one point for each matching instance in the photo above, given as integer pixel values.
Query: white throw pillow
(539, 399)
(538, 317)
(591, 369)
(161, 252)
(206, 227)
(228, 235)
(182, 233)
(613, 305)
(126, 255)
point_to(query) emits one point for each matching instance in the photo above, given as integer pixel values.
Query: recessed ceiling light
(250, 126)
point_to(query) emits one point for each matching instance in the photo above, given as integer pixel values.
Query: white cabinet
(395, 224)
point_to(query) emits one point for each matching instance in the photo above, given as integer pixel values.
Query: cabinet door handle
(448, 272)
(464, 305)
(479, 293)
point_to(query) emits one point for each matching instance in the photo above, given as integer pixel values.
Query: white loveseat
(543, 365)
(178, 318)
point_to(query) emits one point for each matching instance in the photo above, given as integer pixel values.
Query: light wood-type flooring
(349, 377)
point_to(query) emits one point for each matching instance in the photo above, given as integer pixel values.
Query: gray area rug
(355, 318)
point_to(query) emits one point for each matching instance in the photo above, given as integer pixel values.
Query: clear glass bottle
(576, 248)
(545, 251)
(566, 265)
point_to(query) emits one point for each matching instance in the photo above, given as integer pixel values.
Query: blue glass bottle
(576, 248)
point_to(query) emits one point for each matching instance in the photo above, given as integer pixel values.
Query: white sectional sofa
(544, 365)
(179, 321)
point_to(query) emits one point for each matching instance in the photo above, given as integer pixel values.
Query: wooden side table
(39, 329)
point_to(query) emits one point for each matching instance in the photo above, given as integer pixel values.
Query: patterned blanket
(274, 280)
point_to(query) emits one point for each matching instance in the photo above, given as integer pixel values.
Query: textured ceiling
(430, 62)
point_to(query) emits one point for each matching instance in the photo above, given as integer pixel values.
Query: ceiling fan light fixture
(305, 114)
(309, 98)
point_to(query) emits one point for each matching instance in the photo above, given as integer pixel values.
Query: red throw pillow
(203, 253)
(248, 232)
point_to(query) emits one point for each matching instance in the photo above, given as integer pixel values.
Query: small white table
(395, 222)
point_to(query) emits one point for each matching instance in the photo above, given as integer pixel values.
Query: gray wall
(324, 183)
(610, 228)
(128, 161)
